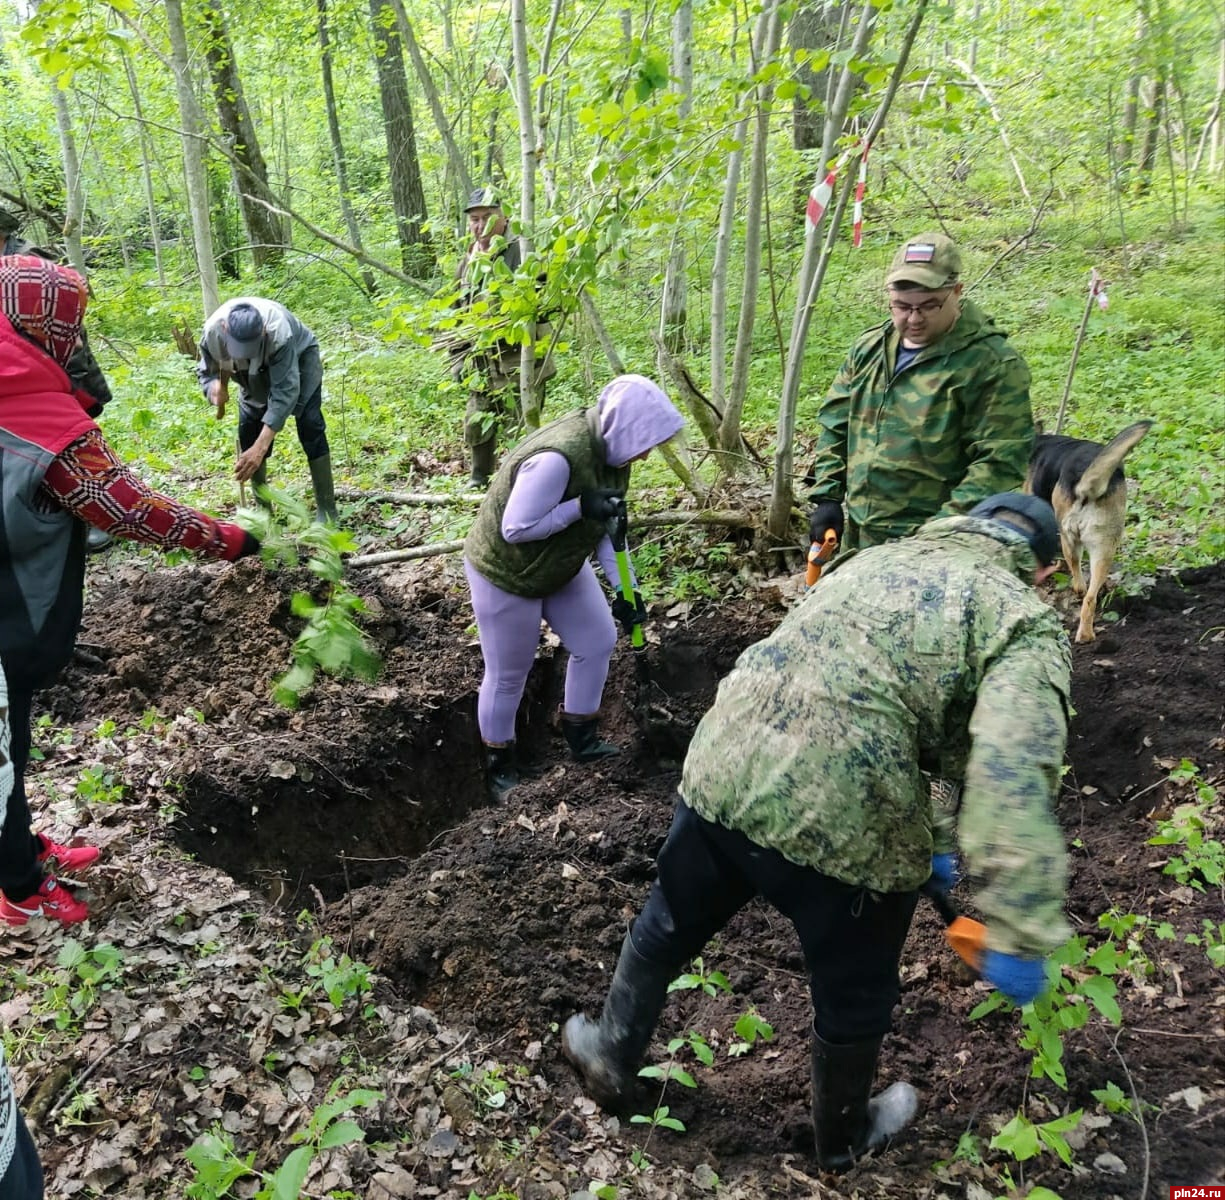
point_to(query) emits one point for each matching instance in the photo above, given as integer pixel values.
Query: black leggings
(852, 938)
(20, 873)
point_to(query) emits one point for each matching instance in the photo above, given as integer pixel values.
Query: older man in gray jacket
(275, 359)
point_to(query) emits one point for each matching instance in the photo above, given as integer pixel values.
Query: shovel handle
(818, 555)
(626, 580)
(967, 937)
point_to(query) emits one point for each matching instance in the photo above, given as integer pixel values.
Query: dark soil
(369, 806)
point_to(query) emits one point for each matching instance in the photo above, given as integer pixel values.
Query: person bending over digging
(58, 476)
(804, 784)
(527, 557)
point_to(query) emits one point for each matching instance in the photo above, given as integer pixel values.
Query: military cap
(483, 197)
(1030, 516)
(929, 261)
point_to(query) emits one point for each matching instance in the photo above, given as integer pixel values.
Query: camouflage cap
(10, 222)
(930, 260)
(483, 197)
(1028, 515)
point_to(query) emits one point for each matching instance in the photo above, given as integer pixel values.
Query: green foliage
(218, 1166)
(70, 992)
(749, 1027)
(331, 640)
(1024, 1139)
(708, 981)
(658, 1119)
(1202, 858)
(1114, 1099)
(97, 785)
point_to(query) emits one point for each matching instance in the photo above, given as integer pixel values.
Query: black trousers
(24, 1178)
(852, 938)
(308, 416)
(20, 873)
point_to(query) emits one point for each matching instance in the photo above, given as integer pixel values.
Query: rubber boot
(607, 1052)
(483, 454)
(583, 737)
(259, 482)
(503, 769)
(846, 1119)
(324, 489)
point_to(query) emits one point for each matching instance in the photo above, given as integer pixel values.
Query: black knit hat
(1033, 518)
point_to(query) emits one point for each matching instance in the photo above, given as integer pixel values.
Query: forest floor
(247, 849)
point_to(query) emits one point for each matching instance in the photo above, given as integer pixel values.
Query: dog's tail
(1095, 481)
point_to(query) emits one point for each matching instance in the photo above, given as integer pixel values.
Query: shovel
(967, 937)
(618, 526)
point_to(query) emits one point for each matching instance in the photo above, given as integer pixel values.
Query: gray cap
(10, 222)
(244, 331)
(483, 197)
(1030, 516)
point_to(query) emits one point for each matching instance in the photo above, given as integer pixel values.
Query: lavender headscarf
(635, 416)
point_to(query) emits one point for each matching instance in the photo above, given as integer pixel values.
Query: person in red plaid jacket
(58, 475)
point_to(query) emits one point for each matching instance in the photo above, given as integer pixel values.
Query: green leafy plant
(218, 1166)
(750, 1027)
(1023, 1138)
(709, 981)
(340, 977)
(659, 1119)
(1113, 1099)
(1189, 826)
(72, 990)
(97, 785)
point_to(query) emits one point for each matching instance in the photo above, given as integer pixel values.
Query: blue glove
(946, 871)
(1020, 979)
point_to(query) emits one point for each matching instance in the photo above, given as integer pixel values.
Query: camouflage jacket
(495, 367)
(931, 653)
(900, 447)
(82, 367)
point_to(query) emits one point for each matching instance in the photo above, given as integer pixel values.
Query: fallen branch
(392, 556)
(424, 498)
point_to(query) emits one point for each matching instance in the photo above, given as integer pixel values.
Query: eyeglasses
(927, 309)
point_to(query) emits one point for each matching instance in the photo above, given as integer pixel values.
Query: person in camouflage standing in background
(82, 367)
(929, 413)
(804, 784)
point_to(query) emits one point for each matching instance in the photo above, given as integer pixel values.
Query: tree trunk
(455, 160)
(818, 25)
(146, 171)
(1152, 134)
(74, 201)
(407, 192)
(193, 156)
(251, 173)
(811, 275)
(675, 292)
(339, 162)
(529, 397)
(729, 428)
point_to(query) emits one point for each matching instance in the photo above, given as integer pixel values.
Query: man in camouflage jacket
(929, 413)
(804, 784)
(491, 374)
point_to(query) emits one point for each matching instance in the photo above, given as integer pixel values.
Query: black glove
(598, 504)
(629, 614)
(827, 515)
(250, 545)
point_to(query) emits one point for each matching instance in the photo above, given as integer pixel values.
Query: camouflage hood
(1005, 546)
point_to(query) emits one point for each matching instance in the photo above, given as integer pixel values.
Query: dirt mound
(509, 918)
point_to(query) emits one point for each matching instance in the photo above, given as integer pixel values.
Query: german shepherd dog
(1083, 481)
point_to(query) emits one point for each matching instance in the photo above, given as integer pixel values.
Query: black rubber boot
(583, 737)
(503, 769)
(324, 489)
(846, 1119)
(96, 540)
(609, 1051)
(483, 454)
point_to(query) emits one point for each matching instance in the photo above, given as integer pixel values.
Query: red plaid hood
(44, 301)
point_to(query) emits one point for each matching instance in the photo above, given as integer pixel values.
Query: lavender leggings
(509, 628)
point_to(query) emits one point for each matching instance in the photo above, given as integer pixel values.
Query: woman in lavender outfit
(528, 556)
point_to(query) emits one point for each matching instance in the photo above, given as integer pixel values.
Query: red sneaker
(53, 901)
(67, 860)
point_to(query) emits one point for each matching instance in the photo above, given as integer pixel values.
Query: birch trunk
(74, 200)
(784, 453)
(675, 293)
(729, 427)
(529, 397)
(146, 171)
(194, 173)
(340, 162)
